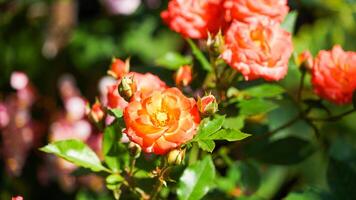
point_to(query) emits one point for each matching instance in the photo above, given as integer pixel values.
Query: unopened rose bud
(216, 43)
(96, 112)
(176, 156)
(119, 68)
(305, 60)
(134, 150)
(127, 87)
(207, 105)
(183, 76)
(17, 198)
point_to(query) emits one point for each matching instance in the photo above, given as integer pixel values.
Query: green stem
(193, 155)
(301, 86)
(334, 118)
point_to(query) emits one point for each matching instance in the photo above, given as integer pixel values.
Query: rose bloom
(333, 75)
(194, 19)
(254, 10)
(145, 83)
(260, 50)
(162, 120)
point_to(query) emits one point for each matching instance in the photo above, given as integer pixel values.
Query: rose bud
(207, 105)
(119, 68)
(96, 112)
(175, 156)
(127, 87)
(183, 76)
(305, 60)
(134, 150)
(17, 198)
(216, 43)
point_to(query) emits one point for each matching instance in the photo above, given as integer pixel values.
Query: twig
(333, 118)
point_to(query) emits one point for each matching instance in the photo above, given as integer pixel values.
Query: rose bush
(202, 114)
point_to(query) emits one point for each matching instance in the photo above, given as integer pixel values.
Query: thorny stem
(136, 190)
(161, 181)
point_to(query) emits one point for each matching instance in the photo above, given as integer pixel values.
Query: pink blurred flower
(122, 7)
(18, 80)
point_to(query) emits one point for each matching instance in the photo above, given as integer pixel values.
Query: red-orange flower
(333, 75)
(119, 68)
(145, 83)
(258, 50)
(162, 120)
(194, 19)
(183, 76)
(255, 10)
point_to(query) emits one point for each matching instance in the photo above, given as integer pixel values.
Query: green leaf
(116, 112)
(229, 135)
(76, 152)
(112, 135)
(196, 180)
(208, 127)
(207, 145)
(341, 178)
(354, 99)
(265, 90)
(286, 151)
(289, 22)
(173, 60)
(256, 106)
(199, 56)
(235, 123)
(309, 194)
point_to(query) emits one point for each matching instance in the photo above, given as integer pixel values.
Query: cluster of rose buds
(72, 123)
(17, 127)
(254, 43)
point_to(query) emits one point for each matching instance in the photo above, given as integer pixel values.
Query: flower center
(160, 118)
(258, 36)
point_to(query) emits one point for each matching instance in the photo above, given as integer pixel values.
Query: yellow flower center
(160, 118)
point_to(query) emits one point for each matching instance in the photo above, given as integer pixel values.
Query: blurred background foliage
(47, 38)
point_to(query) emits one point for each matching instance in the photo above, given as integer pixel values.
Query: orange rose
(333, 75)
(194, 19)
(258, 50)
(255, 10)
(162, 120)
(145, 83)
